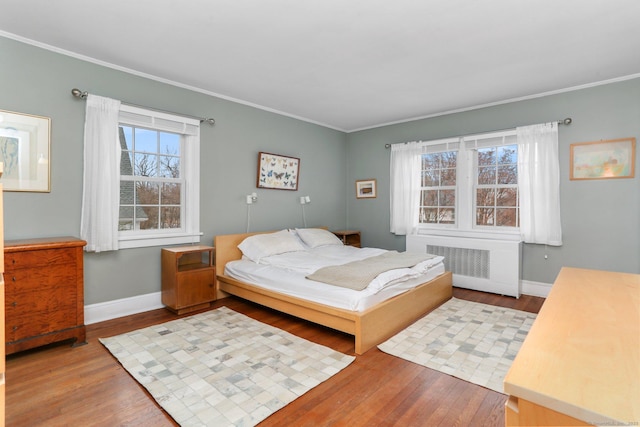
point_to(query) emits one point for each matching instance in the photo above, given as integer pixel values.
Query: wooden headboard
(227, 248)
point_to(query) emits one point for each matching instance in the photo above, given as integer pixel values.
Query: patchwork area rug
(468, 340)
(222, 368)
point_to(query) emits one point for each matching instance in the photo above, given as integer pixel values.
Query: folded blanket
(358, 274)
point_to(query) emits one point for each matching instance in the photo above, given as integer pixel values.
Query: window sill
(131, 242)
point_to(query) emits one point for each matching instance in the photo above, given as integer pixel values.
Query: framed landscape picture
(278, 172)
(607, 159)
(366, 189)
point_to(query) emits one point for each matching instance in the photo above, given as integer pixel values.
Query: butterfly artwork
(278, 172)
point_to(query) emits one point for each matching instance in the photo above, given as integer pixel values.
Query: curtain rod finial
(78, 93)
(210, 120)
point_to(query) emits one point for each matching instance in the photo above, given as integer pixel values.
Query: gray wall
(600, 218)
(37, 81)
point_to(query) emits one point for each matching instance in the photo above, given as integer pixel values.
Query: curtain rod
(566, 121)
(83, 95)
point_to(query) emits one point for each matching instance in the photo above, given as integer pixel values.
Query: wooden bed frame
(370, 327)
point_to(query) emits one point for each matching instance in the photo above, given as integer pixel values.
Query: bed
(370, 325)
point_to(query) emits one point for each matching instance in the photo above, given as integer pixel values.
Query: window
(496, 186)
(473, 187)
(159, 178)
(438, 198)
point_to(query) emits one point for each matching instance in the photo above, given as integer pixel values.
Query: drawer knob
(13, 278)
(15, 328)
(14, 303)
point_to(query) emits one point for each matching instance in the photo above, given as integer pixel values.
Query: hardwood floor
(85, 386)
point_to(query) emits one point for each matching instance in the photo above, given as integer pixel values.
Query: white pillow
(314, 237)
(262, 245)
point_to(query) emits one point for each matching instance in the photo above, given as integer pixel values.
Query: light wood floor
(85, 386)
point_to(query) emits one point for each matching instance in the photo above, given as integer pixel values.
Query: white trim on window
(189, 129)
(465, 205)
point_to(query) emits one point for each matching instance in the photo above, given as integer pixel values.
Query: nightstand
(188, 278)
(348, 237)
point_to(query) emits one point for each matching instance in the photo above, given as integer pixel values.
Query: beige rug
(222, 368)
(468, 340)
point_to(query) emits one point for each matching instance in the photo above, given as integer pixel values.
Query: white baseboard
(536, 289)
(102, 311)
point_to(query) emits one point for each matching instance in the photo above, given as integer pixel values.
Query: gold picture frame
(606, 159)
(25, 151)
(366, 189)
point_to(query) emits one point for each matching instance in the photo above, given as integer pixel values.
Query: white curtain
(405, 173)
(101, 179)
(539, 183)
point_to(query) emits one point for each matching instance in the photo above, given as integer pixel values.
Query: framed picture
(24, 151)
(366, 189)
(278, 172)
(614, 158)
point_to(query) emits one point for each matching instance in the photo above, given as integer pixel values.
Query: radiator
(488, 265)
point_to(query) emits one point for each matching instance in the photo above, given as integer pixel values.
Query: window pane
(171, 194)
(146, 140)
(487, 175)
(170, 217)
(169, 167)
(486, 156)
(449, 177)
(485, 216)
(127, 133)
(126, 163)
(126, 218)
(429, 215)
(430, 198)
(447, 216)
(508, 174)
(447, 197)
(506, 217)
(169, 143)
(507, 197)
(485, 197)
(508, 154)
(431, 178)
(449, 159)
(149, 220)
(146, 164)
(147, 193)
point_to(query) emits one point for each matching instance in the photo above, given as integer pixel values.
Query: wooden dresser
(44, 292)
(580, 362)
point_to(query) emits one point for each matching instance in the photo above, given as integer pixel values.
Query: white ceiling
(347, 64)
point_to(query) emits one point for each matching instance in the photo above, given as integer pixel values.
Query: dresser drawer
(41, 258)
(53, 315)
(42, 280)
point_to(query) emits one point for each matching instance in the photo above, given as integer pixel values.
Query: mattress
(285, 273)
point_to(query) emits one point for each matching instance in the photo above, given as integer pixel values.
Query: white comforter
(286, 273)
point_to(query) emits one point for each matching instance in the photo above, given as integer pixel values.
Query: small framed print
(24, 151)
(278, 172)
(613, 158)
(366, 189)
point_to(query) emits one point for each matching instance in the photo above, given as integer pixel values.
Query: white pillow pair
(259, 246)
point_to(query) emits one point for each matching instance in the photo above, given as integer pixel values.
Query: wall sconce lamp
(251, 199)
(304, 200)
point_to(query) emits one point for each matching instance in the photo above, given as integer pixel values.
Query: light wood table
(580, 363)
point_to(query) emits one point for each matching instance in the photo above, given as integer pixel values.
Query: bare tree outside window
(438, 198)
(497, 187)
(150, 190)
